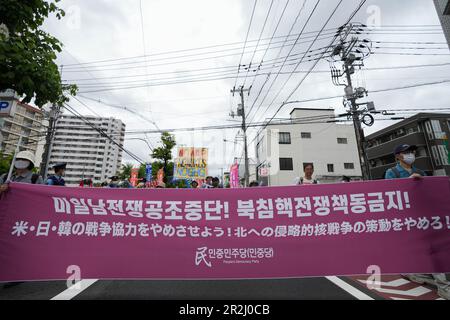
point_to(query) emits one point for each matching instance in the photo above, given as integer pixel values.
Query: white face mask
(21, 164)
(409, 158)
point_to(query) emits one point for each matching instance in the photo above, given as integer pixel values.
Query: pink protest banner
(234, 176)
(402, 226)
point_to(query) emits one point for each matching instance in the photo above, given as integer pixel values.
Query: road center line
(350, 289)
(74, 290)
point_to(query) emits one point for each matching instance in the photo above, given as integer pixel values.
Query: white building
(282, 150)
(87, 153)
(27, 123)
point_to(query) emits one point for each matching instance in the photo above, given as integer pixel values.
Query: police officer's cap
(61, 165)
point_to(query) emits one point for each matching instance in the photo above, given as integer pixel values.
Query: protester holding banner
(216, 183)
(194, 184)
(23, 165)
(208, 183)
(406, 156)
(254, 184)
(307, 179)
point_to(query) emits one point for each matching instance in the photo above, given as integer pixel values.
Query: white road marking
(350, 289)
(74, 290)
(416, 292)
(395, 283)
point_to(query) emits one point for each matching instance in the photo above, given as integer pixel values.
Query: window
(342, 140)
(349, 166)
(439, 134)
(286, 164)
(330, 168)
(306, 135)
(436, 156)
(284, 138)
(444, 154)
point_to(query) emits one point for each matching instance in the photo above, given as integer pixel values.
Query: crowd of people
(405, 156)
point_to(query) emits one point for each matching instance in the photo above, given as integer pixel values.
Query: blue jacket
(402, 172)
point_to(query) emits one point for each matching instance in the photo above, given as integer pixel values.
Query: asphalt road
(285, 289)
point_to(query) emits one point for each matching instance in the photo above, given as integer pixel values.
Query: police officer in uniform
(57, 178)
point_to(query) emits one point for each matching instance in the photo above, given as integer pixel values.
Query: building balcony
(387, 148)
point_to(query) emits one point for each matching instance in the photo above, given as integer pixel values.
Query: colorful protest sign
(234, 176)
(401, 226)
(148, 175)
(134, 176)
(160, 176)
(191, 163)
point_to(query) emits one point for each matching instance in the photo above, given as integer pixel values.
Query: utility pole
(241, 112)
(53, 114)
(351, 54)
(53, 117)
(359, 132)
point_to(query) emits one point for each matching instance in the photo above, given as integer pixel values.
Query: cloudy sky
(173, 62)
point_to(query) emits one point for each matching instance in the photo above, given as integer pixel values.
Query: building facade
(283, 150)
(27, 123)
(428, 131)
(443, 10)
(88, 154)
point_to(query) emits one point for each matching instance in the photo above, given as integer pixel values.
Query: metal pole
(244, 128)
(11, 168)
(359, 133)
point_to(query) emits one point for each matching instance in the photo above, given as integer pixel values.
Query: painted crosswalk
(395, 287)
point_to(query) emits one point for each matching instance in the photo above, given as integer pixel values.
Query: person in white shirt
(307, 178)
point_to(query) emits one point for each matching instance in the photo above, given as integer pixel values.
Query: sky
(140, 51)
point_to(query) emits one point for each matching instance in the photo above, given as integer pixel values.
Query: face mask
(409, 158)
(21, 164)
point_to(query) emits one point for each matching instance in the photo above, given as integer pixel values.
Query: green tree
(5, 163)
(164, 154)
(28, 54)
(125, 171)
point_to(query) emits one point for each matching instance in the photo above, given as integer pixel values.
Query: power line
(200, 74)
(279, 53)
(102, 132)
(123, 66)
(291, 74)
(325, 119)
(86, 64)
(313, 66)
(257, 44)
(208, 47)
(267, 68)
(245, 43)
(271, 39)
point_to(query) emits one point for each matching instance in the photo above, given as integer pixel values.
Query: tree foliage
(5, 163)
(164, 154)
(125, 171)
(28, 54)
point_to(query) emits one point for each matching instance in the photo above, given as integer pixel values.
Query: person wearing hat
(57, 178)
(405, 156)
(23, 165)
(114, 182)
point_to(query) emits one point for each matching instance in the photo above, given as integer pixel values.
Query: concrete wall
(322, 149)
